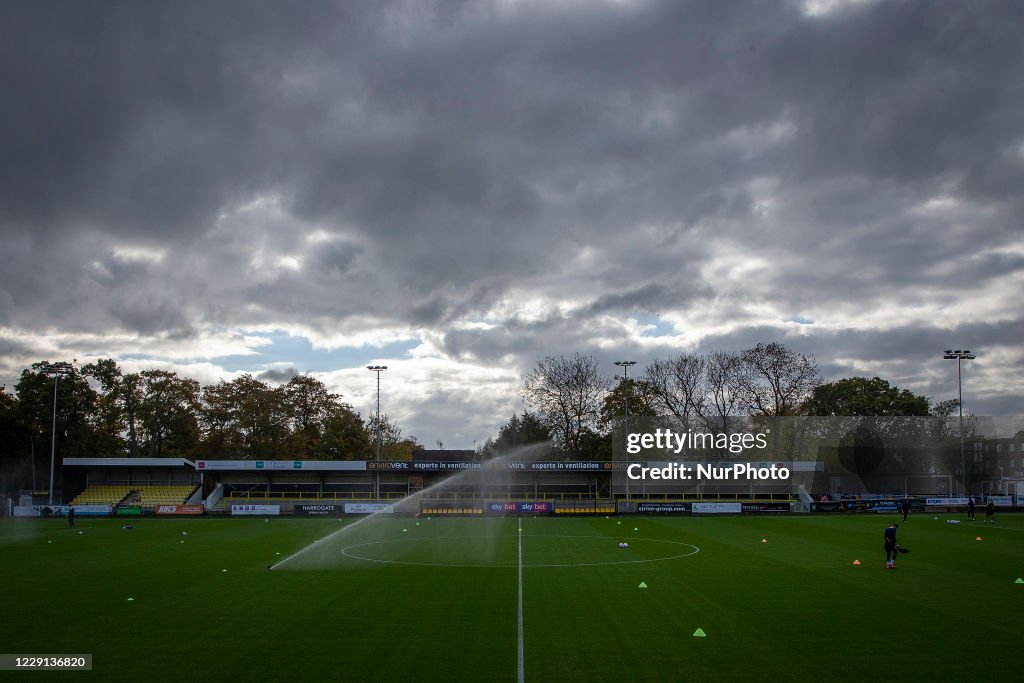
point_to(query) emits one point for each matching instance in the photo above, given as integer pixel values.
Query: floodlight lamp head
(60, 368)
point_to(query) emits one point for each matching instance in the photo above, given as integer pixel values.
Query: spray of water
(406, 534)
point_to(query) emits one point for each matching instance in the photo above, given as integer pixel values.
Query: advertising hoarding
(190, 509)
(717, 508)
(367, 508)
(540, 508)
(663, 508)
(255, 510)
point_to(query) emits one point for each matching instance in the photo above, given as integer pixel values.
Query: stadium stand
(102, 494)
(149, 496)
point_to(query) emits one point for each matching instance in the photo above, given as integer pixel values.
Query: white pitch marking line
(522, 673)
(346, 552)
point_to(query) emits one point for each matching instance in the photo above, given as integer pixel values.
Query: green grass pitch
(404, 599)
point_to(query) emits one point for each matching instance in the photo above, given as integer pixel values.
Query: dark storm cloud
(552, 169)
(903, 91)
(649, 297)
(12, 348)
(335, 259)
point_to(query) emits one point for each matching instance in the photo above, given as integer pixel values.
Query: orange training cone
(856, 561)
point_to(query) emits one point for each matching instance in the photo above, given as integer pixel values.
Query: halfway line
(522, 674)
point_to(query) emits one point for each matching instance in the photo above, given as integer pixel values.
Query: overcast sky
(455, 190)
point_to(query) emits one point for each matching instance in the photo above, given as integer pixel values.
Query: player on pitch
(990, 512)
(890, 545)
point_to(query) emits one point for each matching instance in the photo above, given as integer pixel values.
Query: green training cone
(635, 529)
(642, 585)
(618, 522)
(699, 633)
(1019, 580)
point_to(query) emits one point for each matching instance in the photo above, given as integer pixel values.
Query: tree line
(101, 410)
(571, 403)
(574, 404)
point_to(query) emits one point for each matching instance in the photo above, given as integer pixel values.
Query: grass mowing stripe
(521, 676)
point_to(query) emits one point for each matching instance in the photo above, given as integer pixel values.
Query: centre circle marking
(347, 552)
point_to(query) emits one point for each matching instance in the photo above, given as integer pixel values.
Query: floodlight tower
(56, 370)
(376, 480)
(625, 365)
(959, 356)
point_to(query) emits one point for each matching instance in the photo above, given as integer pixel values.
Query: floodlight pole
(960, 356)
(376, 479)
(625, 365)
(56, 370)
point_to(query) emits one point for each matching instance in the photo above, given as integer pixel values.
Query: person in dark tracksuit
(71, 516)
(906, 508)
(970, 509)
(990, 512)
(890, 546)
